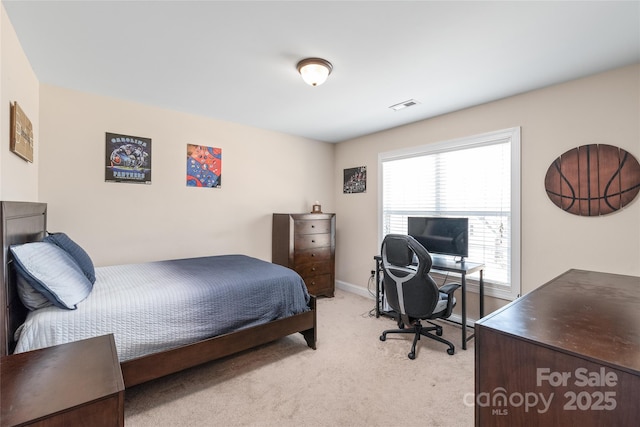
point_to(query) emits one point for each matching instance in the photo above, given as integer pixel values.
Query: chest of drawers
(306, 243)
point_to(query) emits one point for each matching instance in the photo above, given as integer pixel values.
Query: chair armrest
(449, 288)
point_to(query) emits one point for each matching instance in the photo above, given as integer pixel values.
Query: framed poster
(21, 139)
(204, 166)
(355, 180)
(128, 159)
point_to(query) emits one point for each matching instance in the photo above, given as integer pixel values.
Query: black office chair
(412, 293)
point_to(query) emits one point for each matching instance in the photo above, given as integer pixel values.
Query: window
(476, 177)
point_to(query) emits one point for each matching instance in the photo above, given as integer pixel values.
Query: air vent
(405, 104)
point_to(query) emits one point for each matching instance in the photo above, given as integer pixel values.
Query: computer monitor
(439, 235)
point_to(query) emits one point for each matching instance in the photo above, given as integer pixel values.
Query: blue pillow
(77, 253)
(51, 271)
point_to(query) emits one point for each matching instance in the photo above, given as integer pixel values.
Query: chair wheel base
(418, 330)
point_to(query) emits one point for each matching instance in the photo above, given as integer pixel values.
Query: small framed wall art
(21, 140)
(128, 159)
(355, 180)
(204, 166)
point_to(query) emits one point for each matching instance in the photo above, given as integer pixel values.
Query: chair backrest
(408, 287)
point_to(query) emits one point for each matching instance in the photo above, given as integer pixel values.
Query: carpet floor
(352, 379)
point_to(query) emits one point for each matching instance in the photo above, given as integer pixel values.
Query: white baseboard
(358, 290)
(363, 292)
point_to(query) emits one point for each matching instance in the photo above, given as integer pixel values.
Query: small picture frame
(204, 166)
(355, 180)
(127, 159)
(21, 139)
(316, 208)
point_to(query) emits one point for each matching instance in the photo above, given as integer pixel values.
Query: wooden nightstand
(74, 384)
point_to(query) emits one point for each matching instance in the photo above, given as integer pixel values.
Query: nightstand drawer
(309, 241)
(317, 226)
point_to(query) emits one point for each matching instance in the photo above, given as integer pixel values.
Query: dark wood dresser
(75, 384)
(306, 243)
(566, 354)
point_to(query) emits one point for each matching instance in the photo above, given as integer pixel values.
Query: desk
(583, 330)
(447, 265)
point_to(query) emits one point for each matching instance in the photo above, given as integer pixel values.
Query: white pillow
(53, 272)
(30, 298)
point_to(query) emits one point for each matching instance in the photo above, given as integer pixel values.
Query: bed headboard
(20, 222)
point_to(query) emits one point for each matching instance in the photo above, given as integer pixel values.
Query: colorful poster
(128, 159)
(355, 180)
(204, 166)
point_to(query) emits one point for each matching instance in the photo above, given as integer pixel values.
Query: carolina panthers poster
(128, 159)
(204, 166)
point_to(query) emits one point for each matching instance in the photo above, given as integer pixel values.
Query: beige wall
(263, 172)
(604, 109)
(18, 178)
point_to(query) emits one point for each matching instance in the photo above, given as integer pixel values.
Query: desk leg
(377, 288)
(464, 311)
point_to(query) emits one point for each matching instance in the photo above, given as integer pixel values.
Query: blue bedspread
(155, 306)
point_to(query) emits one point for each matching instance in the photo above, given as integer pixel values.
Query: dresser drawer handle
(313, 241)
(313, 269)
(313, 254)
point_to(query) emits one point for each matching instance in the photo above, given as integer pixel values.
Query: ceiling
(236, 61)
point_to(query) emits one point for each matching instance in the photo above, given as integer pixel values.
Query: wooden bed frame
(23, 222)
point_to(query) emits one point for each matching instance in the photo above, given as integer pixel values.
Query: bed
(25, 222)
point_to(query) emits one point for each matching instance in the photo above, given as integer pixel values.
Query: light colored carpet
(352, 379)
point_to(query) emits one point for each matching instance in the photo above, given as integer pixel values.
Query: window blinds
(472, 182)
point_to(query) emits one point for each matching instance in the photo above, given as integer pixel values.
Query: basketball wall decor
(593, 180)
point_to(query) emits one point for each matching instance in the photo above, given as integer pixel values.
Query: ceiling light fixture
(314, 71)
